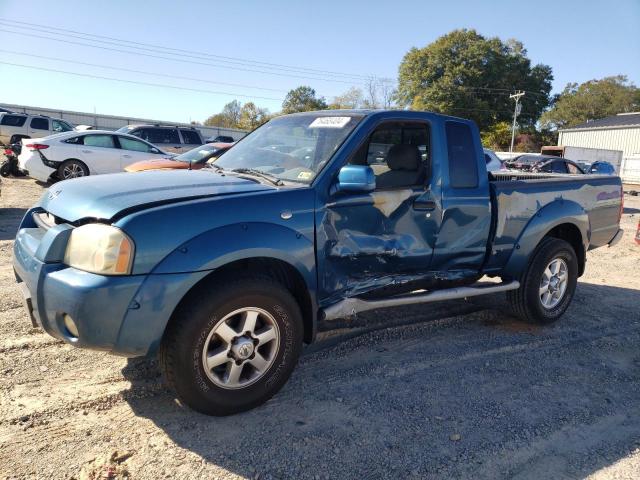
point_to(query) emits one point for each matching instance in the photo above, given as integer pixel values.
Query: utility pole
(516, 112)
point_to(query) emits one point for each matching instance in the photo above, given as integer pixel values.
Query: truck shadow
(10, 219)
(479, 395)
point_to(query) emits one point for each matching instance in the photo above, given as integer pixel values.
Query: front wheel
(231, 347)
(549, 283)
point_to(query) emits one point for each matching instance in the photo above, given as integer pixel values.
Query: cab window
(102, 141)
(134, 145)
(39, 123)
(58, 126)
(398, 153)
(190, 137)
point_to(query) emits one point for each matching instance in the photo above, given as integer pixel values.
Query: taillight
(36, 146)
(8, 151)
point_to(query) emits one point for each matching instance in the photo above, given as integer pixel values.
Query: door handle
(424, 205)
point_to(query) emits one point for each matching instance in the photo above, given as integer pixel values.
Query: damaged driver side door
(381, 241)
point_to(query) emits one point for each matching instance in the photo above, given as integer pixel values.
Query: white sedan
(78, 154)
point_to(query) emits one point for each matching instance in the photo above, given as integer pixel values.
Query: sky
(199, 55)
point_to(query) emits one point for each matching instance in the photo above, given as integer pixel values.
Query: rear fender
(550, 216)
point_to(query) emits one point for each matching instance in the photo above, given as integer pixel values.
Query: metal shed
(617, 132)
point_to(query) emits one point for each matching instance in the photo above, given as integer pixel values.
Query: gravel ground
(451, 390)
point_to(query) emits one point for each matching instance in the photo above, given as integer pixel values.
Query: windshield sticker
(304, 175)
(330, 122)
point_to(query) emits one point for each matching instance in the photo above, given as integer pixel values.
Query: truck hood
(107, 196)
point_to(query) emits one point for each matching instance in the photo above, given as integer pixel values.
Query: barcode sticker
(329, 122)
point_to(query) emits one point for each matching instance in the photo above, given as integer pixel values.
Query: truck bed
(518, 197)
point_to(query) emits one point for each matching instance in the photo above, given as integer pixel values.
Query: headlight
(100, 248)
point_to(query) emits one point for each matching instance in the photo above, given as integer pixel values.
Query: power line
(155, 74)
(173, 59)
(164, 49)
(149, 84)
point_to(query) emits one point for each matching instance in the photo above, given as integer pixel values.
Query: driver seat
(405, 167)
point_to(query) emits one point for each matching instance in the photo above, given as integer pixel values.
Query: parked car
(16, 126)
(220, 139)
(170, 139)
(79, 154)
(494, 164)
(227, 271)
(602, 168)
(194, 159)
(543, 163)
(638, 233)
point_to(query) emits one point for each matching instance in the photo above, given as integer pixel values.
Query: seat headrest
(403, 157)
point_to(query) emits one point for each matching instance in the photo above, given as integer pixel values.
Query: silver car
(173, 139)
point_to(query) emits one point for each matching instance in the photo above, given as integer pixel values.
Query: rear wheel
(17, 138)
(72, 169)
(548, 285)
(231, 347)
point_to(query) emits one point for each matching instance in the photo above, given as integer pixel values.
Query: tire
(72, 169)
(531, 302)
(194, 330)
(17, 138)
(5, 169)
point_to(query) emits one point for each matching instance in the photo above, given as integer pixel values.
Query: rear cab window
(463, 166)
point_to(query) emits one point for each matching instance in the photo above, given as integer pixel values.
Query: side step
(351, 306)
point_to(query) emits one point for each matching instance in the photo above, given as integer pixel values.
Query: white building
(618, 132)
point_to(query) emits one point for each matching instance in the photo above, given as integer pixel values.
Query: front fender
(221, 246)
(556, 213)
(162, 291)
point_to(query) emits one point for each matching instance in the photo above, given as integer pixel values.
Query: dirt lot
(453, 390)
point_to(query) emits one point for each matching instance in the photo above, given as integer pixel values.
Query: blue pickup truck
(314, 217)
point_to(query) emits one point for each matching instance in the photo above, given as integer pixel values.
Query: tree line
(468, 75)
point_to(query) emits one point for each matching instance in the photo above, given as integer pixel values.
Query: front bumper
(125, 315)
(98, 304)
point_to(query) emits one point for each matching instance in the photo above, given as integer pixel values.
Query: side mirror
(356, 178)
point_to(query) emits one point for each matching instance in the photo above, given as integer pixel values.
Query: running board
(354, 305)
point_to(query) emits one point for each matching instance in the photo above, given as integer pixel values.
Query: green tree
(497, 137)
(252, 116)
(592, 100)
(302, 99)
(229, 117)
(465, 74)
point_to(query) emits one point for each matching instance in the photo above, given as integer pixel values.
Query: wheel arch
(566, 220)
(276, 269)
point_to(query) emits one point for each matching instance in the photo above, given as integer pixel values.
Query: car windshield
(292, 148)
(198, 154)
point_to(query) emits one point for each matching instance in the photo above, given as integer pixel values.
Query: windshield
(125, 129)
(198, 154)
(293, 147)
